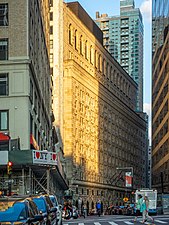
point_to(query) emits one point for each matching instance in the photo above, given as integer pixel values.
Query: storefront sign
(44, 157)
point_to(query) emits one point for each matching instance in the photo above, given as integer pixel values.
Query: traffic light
(9, 168)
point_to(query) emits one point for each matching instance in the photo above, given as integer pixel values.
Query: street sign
(125, 199)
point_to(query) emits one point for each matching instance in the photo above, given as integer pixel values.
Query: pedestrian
(144, 209)
(83, 211)
(138, 207)
(98, 208)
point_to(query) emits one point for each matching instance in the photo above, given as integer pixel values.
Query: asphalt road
(115, 220)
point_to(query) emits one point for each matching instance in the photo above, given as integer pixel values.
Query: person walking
(138, 207)
(98, 208)
(144, 209)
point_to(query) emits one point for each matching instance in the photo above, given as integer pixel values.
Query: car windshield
(16, 212)
(5, 204)
(53, 199)
(40, 204)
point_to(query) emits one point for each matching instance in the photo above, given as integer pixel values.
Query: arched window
(115, 78)
(86, 53)
(99, 60)
(111, 74)
(70, 34)
(121, 86)
(103, 66)
(124, 85)
(95, 59)
(118, 80)
(81, 45)
(91, 54)
(107, 71)
(76, 39)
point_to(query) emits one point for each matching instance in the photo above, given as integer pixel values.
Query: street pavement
(115, 220)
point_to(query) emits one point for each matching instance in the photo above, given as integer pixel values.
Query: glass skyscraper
(160, 95)
(123, 38)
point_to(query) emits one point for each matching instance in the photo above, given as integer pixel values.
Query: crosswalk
(118, 222)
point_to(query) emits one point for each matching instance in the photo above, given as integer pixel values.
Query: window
(51, 29)
(31, 91)
(76, 39)
(3, 49)
(81, 46)
(3, 14)
(91, 54)
(86, 53)
(4, 84)
(51, 57)
(70, 34)
(3, 120)
(51, 16)
(51, 44)
(51, 3)
(31, 124)
(35, 102)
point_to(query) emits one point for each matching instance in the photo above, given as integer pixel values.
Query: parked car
(54, 200)
(46, 208)
(20, 211)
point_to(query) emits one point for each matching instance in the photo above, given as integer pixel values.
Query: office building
(100, 129)
(123, 38)
(160, 97)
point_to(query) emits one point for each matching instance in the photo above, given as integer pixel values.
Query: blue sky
(112, 8)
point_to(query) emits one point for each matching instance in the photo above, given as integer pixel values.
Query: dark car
(46, 208)
(19, 210)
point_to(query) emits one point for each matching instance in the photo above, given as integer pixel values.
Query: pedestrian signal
(9, 168)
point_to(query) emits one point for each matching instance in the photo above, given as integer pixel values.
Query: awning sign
(128, 179)
(44, 157)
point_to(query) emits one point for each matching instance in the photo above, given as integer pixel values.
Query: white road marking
(127, 222)
(112, 223)
(80, 223)
(159, 221)
(96, 223)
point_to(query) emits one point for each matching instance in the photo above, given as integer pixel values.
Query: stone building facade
(100, 129)
(25, 97)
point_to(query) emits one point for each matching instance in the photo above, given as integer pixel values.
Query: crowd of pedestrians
(141, 209)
